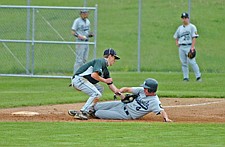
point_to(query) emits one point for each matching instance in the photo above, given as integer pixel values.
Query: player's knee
(97, 95)
(101, 89)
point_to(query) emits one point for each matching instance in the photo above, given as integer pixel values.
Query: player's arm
(74, 33)
(126, 89)
(96, 76)
(116, 91)
(165, 116)
(193, 43)
(176, 41)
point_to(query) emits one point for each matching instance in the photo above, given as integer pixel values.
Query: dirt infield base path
(202, 110)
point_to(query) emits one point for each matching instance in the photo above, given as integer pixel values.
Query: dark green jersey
(96, 65)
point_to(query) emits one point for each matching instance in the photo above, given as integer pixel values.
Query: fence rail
(37, 41)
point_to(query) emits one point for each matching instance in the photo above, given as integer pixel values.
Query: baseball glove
(91, 34)
(129, 98)
(191, 54)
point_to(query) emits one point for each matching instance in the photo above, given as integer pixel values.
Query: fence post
(28, 38)
(189, 9)
(139, 35)
(95, 31)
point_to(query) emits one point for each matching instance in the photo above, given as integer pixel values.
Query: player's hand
(91, 34)
(167, 120)
(109, 81)
(82, 37)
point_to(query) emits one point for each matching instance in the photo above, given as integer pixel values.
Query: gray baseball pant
(93, 90)
(111, 110)
(183, 52)
(82, 51)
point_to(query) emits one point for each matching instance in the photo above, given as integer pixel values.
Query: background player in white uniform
(185, 36)
(87, 77)
(81, 30)
(146, 102)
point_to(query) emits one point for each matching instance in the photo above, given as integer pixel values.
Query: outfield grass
(117, 28)
(15, 91)
(88, 134)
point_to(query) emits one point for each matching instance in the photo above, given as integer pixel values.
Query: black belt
(126, 111)
(185, 44)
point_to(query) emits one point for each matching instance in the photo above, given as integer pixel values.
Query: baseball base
(25, 113)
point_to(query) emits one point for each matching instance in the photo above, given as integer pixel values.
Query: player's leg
(99, 87)
(107, 105)
(79, 57)
(195, 68)
(184, 62)
(111, 110)
(88, 88)
(109, 114)
(85, 53)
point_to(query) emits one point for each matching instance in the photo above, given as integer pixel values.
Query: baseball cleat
(199, 79)
(185, 79)
(72, 112)
(81, 116)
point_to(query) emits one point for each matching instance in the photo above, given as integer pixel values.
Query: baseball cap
(111, 51)
(184, 15)
(84, 11)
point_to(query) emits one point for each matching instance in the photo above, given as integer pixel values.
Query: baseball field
(197, 108)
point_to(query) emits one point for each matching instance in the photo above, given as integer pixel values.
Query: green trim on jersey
(96, 65)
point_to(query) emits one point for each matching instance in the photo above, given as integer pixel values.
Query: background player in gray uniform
(146, 102)
(185, 36)
(81, 30)
(87, 77)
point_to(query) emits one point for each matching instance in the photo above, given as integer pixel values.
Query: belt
(126, 111)
(185, 44)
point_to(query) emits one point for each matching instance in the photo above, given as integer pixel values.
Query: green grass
(111, 134)
(15, 92)
(117, 28)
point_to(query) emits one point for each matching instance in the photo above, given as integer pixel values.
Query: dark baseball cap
(111, 51)
(184, 15)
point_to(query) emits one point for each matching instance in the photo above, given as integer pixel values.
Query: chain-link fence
(38, 40)
(117, 28)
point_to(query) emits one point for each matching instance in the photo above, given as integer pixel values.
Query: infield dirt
(193, 110)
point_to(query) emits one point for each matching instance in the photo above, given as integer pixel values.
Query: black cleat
(198, 79)
(185, 79)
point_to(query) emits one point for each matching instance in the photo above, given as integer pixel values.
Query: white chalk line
(192, 105)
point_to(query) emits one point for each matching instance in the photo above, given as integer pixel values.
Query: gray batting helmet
(150, 84)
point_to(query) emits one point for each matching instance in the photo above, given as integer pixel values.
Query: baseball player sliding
(142, 101)
(185, 37)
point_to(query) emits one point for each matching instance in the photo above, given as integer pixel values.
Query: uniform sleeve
(137, 90)
(194, 32)
(176, 34)
(157, 108)
(106, 73)
(75, 25)
(97, 66)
